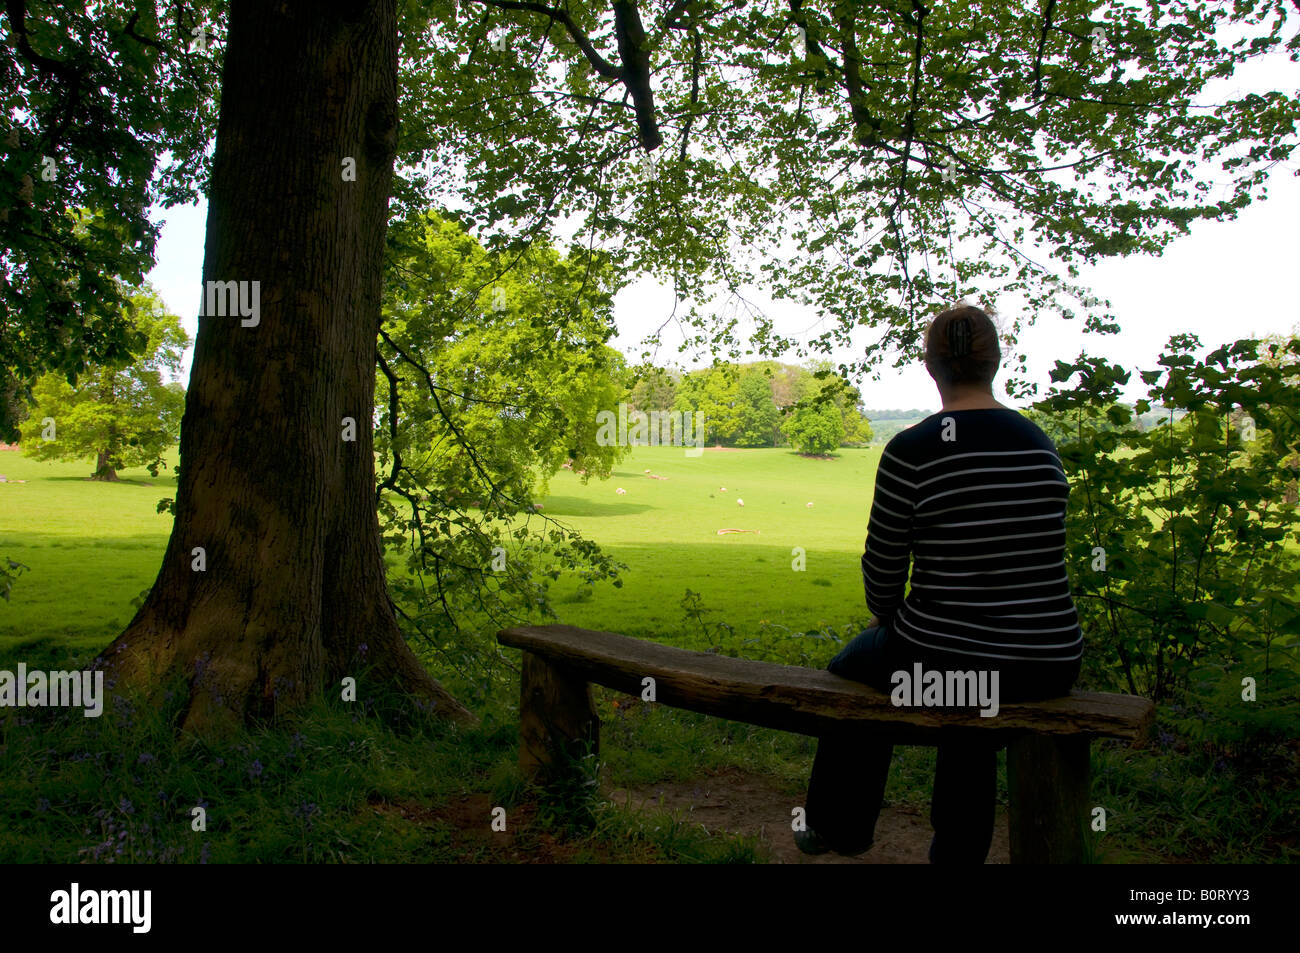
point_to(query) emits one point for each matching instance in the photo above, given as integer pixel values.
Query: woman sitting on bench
(975, 495)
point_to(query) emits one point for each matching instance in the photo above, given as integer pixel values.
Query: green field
(666, 531)
(92, 547)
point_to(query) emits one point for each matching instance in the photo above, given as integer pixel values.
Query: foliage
(902, 157)
(655, 389)
(758, 414)
(491, 383)
(713, 392)
(815, 429)
(10, 570)
(94, 96)
(331, 784)
(124, 413)
(1180, 537)
(816, 424)
(912, 414)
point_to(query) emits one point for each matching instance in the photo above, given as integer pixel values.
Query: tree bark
(104, 468)
(291, 594)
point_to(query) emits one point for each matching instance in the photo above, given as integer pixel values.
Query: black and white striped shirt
(976, 499)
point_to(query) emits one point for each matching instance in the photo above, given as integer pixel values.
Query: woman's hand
(872, 622)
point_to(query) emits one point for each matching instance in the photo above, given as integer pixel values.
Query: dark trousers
(849, 772)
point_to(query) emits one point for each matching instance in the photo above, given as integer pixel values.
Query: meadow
(338, 786)
(92, 547)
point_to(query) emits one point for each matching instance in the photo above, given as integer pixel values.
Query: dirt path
(750, 804)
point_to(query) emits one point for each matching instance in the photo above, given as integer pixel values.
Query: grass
(91, 547)
(334, 785)
(666, 531)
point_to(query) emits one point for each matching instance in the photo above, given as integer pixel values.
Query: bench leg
(558, 725)
(1048, 784)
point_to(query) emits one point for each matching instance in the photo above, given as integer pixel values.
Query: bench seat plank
(805, 700)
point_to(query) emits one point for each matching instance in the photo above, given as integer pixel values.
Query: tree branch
(139, 38)
(697, 53)
(862, 118)
(1042, 42)
(16, 11)
(909, 136)
(811, 43)
(601, 65)
(634, 51)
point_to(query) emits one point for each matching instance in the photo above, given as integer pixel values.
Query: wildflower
(145, 758)
(126, 807)
(255, 769)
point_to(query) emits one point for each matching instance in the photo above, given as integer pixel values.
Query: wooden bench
(1047, 742)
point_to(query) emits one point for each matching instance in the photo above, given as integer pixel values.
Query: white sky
(1224, 281)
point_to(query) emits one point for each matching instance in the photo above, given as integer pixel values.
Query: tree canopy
(125, 414)
(106, 110)
(872, 161)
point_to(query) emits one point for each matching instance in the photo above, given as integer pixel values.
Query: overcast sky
(1224, 281)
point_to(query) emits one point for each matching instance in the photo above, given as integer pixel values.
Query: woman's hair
(961, 347)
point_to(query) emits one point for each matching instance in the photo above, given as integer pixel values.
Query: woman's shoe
(810, 843)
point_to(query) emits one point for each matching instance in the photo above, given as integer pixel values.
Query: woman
(975, 495)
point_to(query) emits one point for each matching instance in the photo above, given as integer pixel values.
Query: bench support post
(558, 725)
(1048, 784)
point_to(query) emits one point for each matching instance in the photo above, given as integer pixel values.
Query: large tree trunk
(292, 596)
(104, 469)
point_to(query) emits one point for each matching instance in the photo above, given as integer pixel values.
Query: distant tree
(816, 424)
(918, 413)
(857, 429)
(655, 389)
(123, 414)
(785, 383)
(758, 414)
(13, 405)
(715, 392)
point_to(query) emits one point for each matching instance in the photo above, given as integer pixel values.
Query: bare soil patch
(748, 804)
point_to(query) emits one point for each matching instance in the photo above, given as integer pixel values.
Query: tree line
(810, 408)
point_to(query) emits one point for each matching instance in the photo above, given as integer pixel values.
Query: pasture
(92, 547)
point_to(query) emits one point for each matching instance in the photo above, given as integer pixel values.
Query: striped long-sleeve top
(976, 499)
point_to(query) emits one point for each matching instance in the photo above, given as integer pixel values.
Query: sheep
(809, 504)
(621, 492)
(740, 502)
